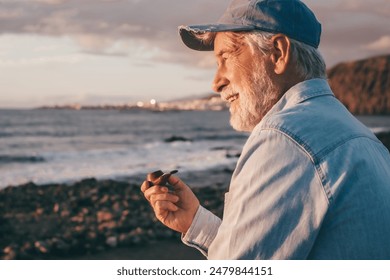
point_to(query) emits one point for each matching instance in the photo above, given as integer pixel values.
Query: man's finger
(163, 197)
(161, 207)
(145, 185)
(154, 190)
(176, 183)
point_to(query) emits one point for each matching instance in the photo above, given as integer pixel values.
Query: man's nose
(220, 82)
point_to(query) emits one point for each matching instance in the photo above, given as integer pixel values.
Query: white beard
(255, 99)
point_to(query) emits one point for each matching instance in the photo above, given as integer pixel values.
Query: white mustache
(227, 93)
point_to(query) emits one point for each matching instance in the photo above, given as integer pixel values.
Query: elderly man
(312, 182)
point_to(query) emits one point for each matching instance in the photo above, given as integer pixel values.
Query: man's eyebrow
(221, 52)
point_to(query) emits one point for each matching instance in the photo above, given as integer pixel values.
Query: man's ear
(281, 53)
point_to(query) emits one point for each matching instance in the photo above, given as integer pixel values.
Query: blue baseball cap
(289, 17)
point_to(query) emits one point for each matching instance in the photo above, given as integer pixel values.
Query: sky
(91, 52)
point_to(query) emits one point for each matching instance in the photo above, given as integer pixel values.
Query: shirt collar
(300, 93)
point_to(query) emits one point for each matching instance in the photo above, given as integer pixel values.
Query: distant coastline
(363, 86)
(211, 102)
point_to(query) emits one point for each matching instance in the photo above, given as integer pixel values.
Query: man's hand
(174, 209)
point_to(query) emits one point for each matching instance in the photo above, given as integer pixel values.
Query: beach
(93, 219)
(100, 219)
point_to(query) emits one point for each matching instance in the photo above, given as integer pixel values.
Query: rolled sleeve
(202, 231)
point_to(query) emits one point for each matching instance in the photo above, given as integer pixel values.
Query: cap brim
(188, 34)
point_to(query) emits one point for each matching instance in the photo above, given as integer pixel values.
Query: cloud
(118, 19)
(61, 59)
(350, 24)
(93, 42)
(52, 2)
(377, 7)
(382, 44)
(149, 28)
(99, 26)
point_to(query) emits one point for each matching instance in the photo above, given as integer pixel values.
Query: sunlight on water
(46, 146)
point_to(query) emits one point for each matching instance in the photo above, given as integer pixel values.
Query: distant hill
(363, 86)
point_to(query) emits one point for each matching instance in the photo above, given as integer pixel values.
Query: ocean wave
(5, 134)
(223, 137)
(6, 159)
(378, 130)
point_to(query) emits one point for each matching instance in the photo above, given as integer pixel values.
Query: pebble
(112, 241)
(104, 216)
(41, 247)
(9, 253)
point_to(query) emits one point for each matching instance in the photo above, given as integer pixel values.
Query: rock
(65, 213)
(116, 207)
(60, 245)
(56, 208)
(77, 219)
(27, 246)
(234, 155)
(103, 216)
(104, 199)
(112, 241)
(124, 239)
(26, 251)
(125, 213)
(42, 247)
(135, 239)
(135, 235)
(39, 211)
(107, 225)
(91, 235)
(79, 229)
(9, 253)
(175, 138)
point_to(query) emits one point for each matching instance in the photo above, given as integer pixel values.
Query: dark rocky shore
(90, 218)
(385, 138)
(103, 219)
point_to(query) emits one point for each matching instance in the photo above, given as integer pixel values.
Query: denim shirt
(312, 182)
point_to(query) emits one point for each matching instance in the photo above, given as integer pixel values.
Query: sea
(63, 146)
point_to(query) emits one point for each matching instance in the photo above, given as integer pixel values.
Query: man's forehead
(225, 42)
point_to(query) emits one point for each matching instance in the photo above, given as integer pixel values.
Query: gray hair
(307, 59)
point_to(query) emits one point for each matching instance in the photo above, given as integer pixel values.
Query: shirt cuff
(202, 231)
